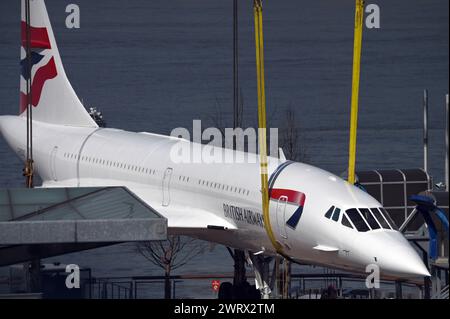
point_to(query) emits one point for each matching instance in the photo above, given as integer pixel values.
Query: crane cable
(236, 119)
(262, 138)
(28, 170)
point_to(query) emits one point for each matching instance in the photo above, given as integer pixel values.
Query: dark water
(156, 65)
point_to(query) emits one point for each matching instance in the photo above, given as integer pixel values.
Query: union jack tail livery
(52, 96)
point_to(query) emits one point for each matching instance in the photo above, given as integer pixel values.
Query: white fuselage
(194, 196)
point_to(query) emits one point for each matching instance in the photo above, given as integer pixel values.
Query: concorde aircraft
(315, 216)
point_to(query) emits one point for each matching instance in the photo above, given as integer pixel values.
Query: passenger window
(370, 219)
(329, 212)
(357, 220)
(336, 214)
(380, 218)
(388, 218)
(345, 221)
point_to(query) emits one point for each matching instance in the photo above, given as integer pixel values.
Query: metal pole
(446, 143)
(28, 170)
(398, 290)
(427, 288)
(235, 65)
(425, 130)
(173, 288)
(239, 255)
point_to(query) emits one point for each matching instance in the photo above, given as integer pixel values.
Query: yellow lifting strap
(359, 15)
(262, 138)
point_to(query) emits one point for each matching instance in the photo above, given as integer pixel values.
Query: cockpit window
(345, 221)
(380, 218)
(357, 220)
(336, 214)
(370, 219)
(329, 212)
(388, 218)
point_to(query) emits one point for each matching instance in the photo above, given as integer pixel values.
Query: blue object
(426, 206)
(442, 217)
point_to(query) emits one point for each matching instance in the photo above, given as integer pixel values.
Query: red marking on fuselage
(295, 197)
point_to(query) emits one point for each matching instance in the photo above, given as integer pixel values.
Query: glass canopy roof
(72, 204)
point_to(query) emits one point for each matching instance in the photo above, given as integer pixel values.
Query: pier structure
(37, 223)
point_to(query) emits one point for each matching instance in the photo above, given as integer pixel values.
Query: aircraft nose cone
(395, 256)
(414, 266)
(405, 262)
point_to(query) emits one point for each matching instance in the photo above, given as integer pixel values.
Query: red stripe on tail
(38, 36)
(23, 102)
(46, 72)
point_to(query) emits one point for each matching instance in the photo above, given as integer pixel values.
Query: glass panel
(393, 195)
(380, 218)
(72, 204)
(329, 212)
(357, 220)
(336, 214)
(388, 218)
(370, 219)
(345, 221)
(374, 191)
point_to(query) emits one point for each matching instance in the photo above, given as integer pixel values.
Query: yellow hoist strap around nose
(257, 10)
(359, 15)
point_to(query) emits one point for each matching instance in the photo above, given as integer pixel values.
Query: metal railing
(303, 286)
(443, 294)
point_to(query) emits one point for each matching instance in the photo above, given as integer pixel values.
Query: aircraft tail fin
(52, 97)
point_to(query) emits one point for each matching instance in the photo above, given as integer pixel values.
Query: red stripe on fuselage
(38, 36)
(292, 196)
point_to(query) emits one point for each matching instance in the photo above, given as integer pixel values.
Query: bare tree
(170, 255)
(291, 139)
(217, 118)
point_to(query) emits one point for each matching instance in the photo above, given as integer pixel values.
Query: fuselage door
(166, 186)
(281, 216)
(52, 163)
